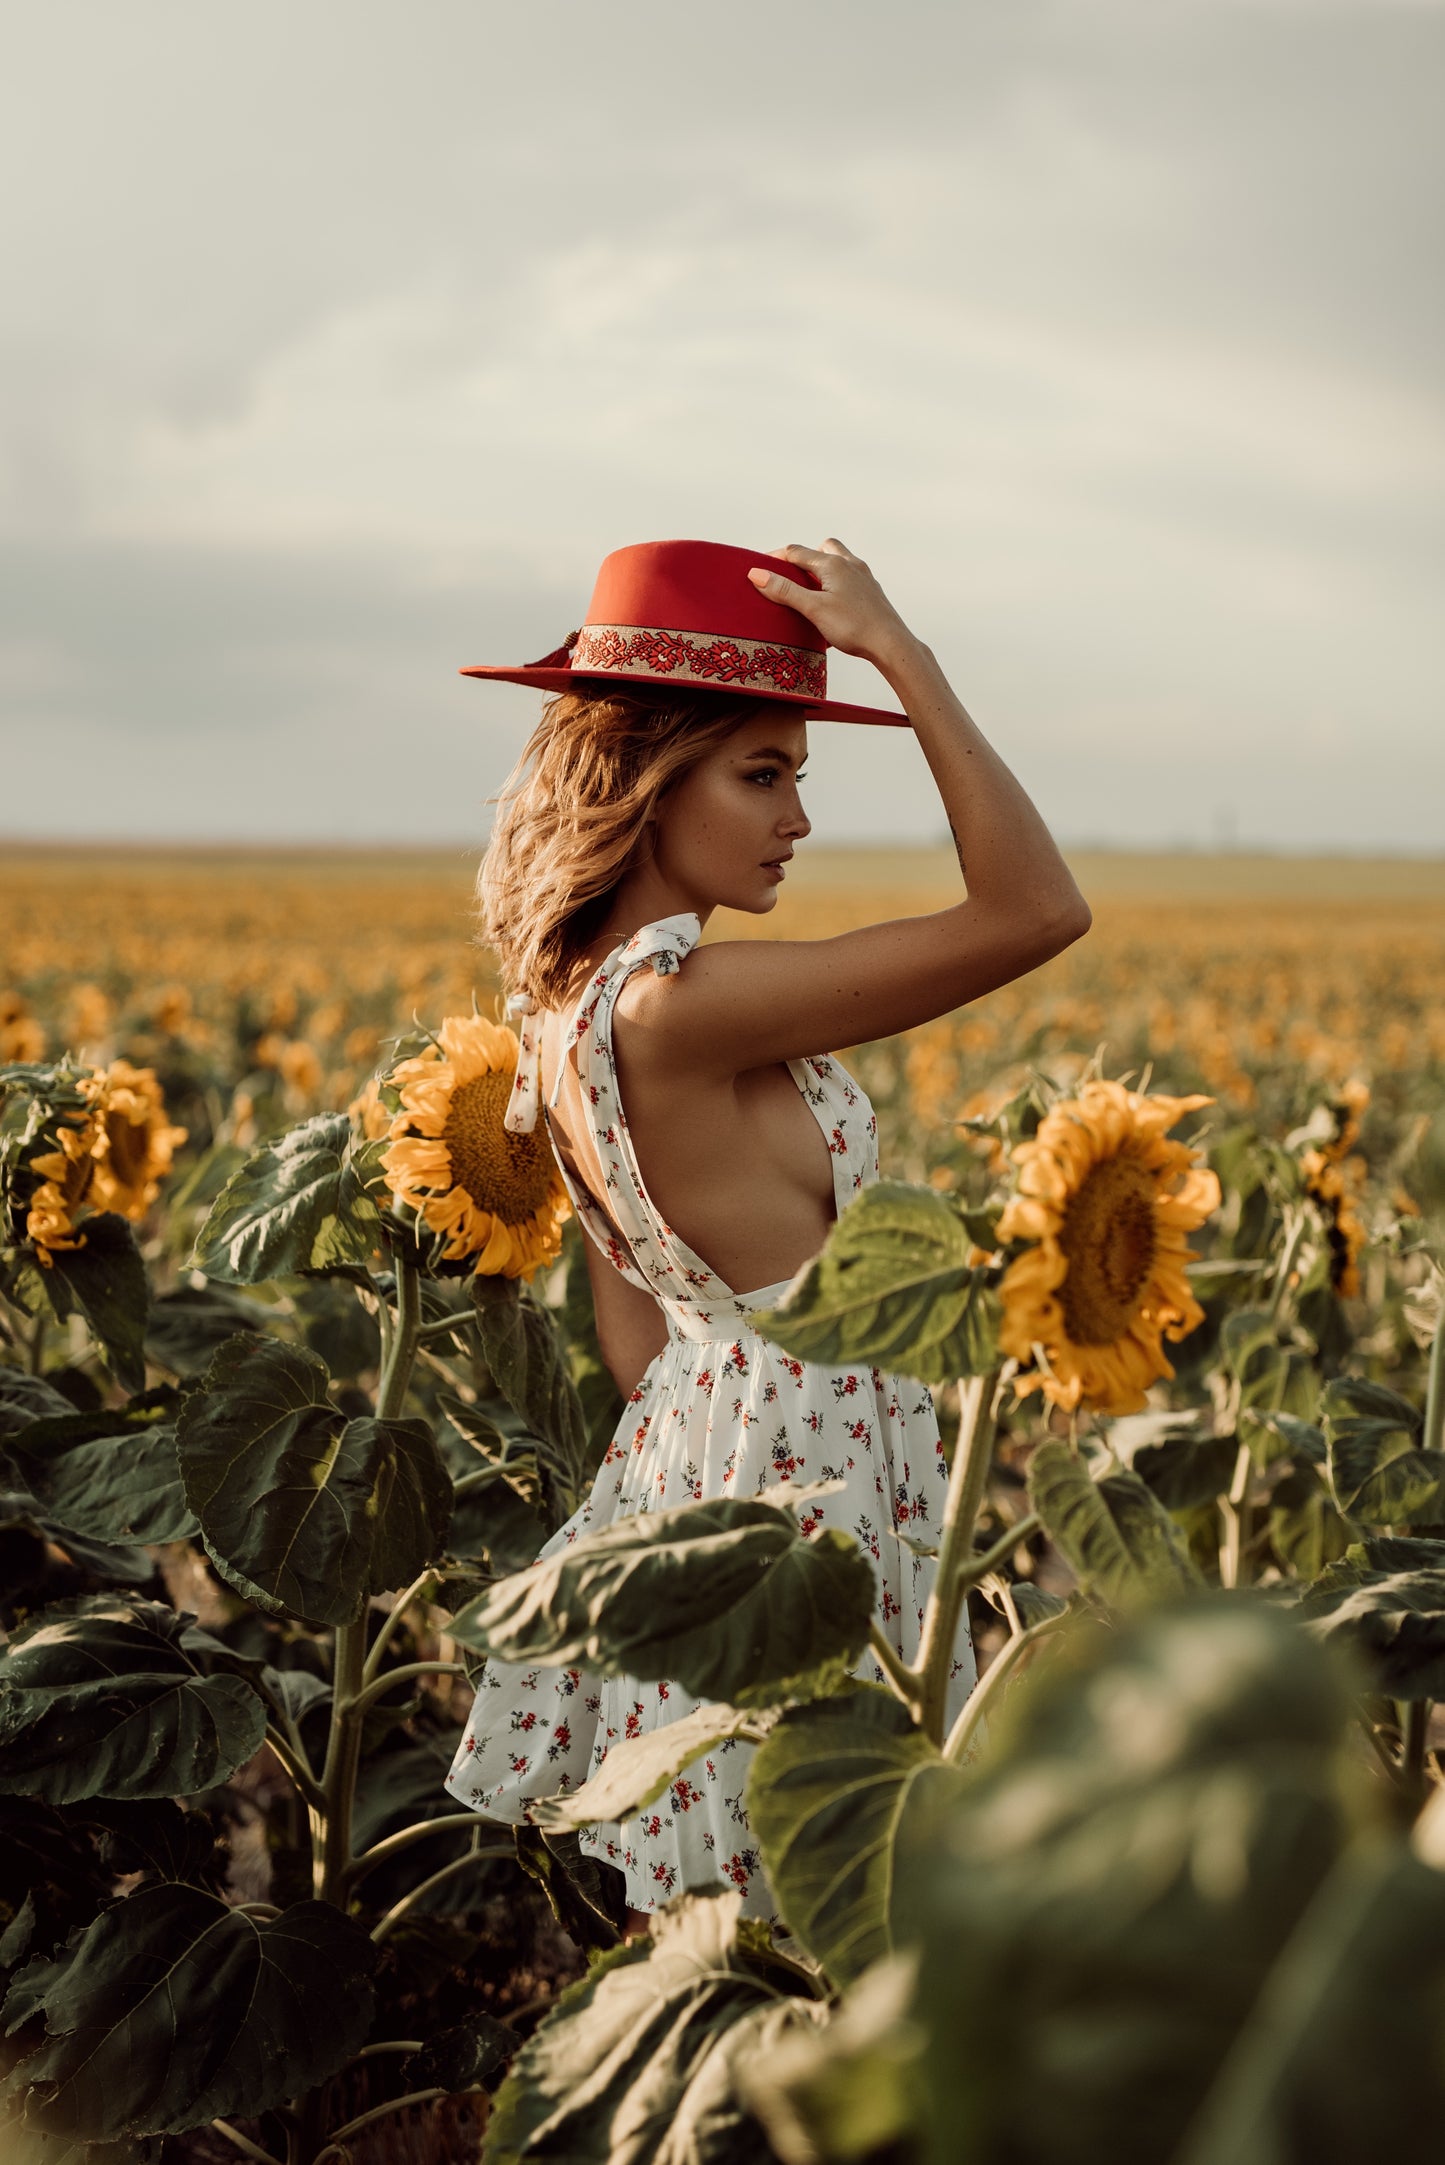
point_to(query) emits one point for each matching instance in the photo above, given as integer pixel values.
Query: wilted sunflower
(67, 1175)
(136, 1142)
(499, 1196)
(1106, 1200)
(1333, 1180)
(112, 1157)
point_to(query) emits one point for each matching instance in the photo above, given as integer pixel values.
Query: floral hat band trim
(640, 649)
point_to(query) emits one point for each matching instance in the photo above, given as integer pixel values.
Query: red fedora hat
(686, 613)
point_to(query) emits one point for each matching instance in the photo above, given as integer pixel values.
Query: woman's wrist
(901, 657)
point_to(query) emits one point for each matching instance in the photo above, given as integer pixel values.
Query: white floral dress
(719, 1412)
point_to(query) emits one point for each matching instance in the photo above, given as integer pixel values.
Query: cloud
(1105, 332)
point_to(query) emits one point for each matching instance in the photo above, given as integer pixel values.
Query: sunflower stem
(371, 1667)
(1009, 1657)
(1235, 1509)
(331, 1820)
(957, 1567)
(1414, 1715)
(1433, 1438)
(1286, 1262)
(380, 1685)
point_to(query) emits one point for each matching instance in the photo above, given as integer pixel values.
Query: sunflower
(136, 1141)
(499, 1196)
(113, 1156)
(1106, 1202)
(1333, 1181)
(67, 1175)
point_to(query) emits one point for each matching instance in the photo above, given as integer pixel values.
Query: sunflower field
(298, 1374)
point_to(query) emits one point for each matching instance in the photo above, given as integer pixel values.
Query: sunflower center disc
(509, 1175)
(1108, 1237)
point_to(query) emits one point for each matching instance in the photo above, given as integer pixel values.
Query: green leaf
(105, 1282)
(587, 1896)
(173, 2008)
(26, 1399)
(101, 1697)
(1377, 1470)
(639, 2062)
(1305, 1529)
(1385, 1598)
(464, 2054)
(848, 2090)
(1114, 1533)
(1344, 2042)
(309, 1512)
(32, 1533)
(637, 1770)
(296, 1204)
(111, 1475)
(726, 1599)
(1175, 1456)
(825, 1795)
(1094, 1907)
(519, 1344)
(189, 1323)
(891, 1286)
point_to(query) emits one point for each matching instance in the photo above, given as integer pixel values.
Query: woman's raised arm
(742, 1004)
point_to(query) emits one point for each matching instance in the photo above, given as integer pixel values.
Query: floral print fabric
(719, 1412)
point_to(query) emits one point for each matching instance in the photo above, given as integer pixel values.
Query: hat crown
(701, 587)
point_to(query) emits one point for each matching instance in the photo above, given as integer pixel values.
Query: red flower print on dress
(741, 1866)
(810, 1522)
(704, 1379)
(633, 1726)
(561, 1740)
(525, 1721)
(684, 1796)
(520, 1764)
(845, 1386)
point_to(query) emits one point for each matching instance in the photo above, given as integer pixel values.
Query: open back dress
(720, 1411)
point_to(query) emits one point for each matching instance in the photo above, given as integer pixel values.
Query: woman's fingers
(777, 588)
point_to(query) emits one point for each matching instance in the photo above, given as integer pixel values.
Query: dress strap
(663, 944)
(521, 1115)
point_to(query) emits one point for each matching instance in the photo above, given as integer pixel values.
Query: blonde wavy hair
(577, 813)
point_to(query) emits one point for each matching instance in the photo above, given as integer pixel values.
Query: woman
(662, 784)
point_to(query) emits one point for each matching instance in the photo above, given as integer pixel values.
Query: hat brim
(567, 680)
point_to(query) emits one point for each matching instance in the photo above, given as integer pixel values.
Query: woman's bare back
(738, 1166)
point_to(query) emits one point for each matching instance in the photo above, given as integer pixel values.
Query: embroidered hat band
(686, 613)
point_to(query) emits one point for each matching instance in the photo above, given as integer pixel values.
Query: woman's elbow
(1062, 927)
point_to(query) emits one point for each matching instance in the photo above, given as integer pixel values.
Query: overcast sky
(342, 338)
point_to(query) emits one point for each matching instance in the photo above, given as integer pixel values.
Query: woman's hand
(848, 606)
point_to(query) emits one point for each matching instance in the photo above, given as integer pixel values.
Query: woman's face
(727, 827)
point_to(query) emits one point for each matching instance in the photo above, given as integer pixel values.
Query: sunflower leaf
(1385, 1597)
(727, 1599)
(298, 1203)
(826, 1793)
(173, 2007)
(306, 1511)
(892, 1285)
(111, 1475)
(105, 1281)
(642, 2058)
(637, 1769)
(1377, 1469)
(519, 1344)
(1115, 1533)
(101, 1698)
